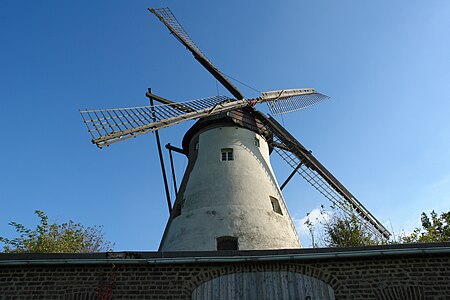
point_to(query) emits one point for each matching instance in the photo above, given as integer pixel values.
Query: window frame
(276, 207)
(257, 142)
(226, 154)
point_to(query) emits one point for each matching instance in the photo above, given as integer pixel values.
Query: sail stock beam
(176, 105)
(109, 126)
(169, 20)
(298, 157)
(285, 101)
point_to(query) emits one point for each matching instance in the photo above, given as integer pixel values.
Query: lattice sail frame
(323, 187)
(166, 16)
(108, 126)
(285, 101)
(307, 166)
(171, 22)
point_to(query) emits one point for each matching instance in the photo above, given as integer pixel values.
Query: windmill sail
(285, 101)
(298, 157)
(108, 126)
(168, 19)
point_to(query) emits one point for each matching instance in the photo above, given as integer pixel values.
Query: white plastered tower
(229, 198)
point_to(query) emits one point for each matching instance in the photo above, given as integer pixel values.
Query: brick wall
(382, 272)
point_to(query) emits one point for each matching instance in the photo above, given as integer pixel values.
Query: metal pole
(173, 169)
(161, 160)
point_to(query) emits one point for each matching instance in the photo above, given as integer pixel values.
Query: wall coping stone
(130, 257)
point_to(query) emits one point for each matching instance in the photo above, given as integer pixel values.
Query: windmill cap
(239, 117)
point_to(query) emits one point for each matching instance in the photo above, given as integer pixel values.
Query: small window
(227, 243)
(275, 205)
(230, 155)
(226, 154)
(177, 208)
(256, 142)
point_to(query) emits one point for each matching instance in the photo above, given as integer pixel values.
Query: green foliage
(337, 229)
(436, 229)
(347, 231)
(68, 237)
(340, 230)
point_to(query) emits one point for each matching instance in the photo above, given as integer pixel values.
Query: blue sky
(384, 133)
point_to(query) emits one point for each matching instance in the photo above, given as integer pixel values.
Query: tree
(436, 229)
(311, 227)
(337, 229)
(57, 238)
(347, 231)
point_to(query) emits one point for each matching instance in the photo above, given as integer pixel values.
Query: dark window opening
(226, 154)
(257, 142)
(275, 205)
(227, 243)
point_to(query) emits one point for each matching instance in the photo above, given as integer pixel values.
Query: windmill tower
(229, 197)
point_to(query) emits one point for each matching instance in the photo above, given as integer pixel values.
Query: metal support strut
(161, 160)
(169, 147)
(290, 176)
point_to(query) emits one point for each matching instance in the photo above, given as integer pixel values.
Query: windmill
(229, 197)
